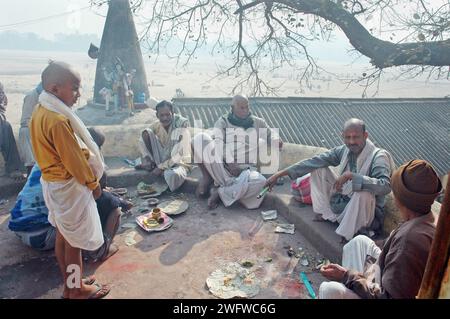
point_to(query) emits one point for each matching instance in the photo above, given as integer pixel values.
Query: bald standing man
(71, 165)
(352, 195)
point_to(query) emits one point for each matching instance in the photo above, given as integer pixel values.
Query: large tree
(267, 35)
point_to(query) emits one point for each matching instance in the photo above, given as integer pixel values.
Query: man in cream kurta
(354, 194)
(165, 146)
(234, 170)
(29, 104)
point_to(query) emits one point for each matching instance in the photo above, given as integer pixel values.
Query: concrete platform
(175, 263)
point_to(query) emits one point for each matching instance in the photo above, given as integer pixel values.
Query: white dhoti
(355, 256)
(175, 175)
(359, 212)
(73, 211)
(244, 188)
(25, 148)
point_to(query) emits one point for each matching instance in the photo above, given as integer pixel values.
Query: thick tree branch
(382, 53)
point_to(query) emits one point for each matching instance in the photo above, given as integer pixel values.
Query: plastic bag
(301, 188)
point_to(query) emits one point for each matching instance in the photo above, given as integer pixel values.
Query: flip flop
(89, 280)
(101, 292)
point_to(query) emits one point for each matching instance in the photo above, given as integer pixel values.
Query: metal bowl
(152, 201)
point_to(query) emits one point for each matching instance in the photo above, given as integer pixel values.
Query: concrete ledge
(321, 235)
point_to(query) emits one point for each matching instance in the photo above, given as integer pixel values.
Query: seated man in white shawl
(29, 103)
(241, 136)
(354, 196)
(71, 165)
(165, 146)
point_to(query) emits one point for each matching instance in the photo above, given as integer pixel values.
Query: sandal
(89, 280)
(101, 292)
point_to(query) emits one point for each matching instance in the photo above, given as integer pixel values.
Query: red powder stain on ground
(128, 267)
(119, 265)
(290, 288)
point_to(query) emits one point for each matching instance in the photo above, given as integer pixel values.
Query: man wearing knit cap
(396, 270)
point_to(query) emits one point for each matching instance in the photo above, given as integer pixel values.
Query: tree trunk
(120, 39)
(439, 255)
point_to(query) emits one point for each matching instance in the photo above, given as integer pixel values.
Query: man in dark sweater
(396, 270)
(8, 146)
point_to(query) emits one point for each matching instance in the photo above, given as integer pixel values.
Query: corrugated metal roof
(408, 128)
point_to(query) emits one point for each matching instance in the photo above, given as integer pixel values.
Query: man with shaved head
(354, 194)
(234, 176)
(71, 165)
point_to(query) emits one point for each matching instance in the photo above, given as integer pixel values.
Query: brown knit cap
(416, 185)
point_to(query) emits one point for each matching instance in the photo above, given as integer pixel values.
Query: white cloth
(355, 252)
(335, 290)
(244, 188)
(363, 162)
(354, 256)
(72, 208)
(358, 213)
(25, 148)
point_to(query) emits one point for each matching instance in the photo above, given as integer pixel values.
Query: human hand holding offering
(333, 272)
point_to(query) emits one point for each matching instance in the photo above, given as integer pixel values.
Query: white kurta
(244, 188)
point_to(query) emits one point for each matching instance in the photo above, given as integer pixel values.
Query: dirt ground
(173, 263)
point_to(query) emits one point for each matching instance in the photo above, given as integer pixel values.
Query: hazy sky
(49, 17)
(80, 20)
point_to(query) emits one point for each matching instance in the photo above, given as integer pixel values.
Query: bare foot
(89, 280)
(213, 200)
(95, 291)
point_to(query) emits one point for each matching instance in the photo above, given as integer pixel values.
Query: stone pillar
(120, 40)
